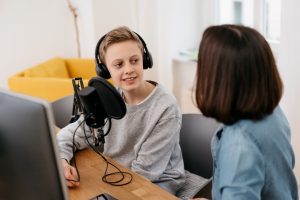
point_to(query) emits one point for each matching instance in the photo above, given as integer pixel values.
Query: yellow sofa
(51, 80)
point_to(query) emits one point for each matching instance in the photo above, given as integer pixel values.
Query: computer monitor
(29, 164)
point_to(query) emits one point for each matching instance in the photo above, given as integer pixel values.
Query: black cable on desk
(106, 174)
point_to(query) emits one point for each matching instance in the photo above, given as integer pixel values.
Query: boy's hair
(117, 35)
(237, 77)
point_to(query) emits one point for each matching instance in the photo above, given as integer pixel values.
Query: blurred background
(33, 31)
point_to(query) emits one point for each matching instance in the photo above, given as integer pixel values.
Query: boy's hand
(70, 174)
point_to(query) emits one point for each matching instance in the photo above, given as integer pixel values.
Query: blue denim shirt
(254, 160)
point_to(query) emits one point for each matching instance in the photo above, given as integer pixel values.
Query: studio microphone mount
(77, 106)
(99, 102)
(78, 109)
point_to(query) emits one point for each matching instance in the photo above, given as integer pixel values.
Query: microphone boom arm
(77, 106)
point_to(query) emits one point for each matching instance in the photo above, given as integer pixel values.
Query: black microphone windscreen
(93, 107)
(111, 99)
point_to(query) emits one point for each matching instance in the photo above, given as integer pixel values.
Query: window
(271, 19)
(264, 15)
(235, 12)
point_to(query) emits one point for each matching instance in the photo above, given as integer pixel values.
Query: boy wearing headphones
(146, 139)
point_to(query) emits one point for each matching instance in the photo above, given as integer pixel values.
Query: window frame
(259, 21)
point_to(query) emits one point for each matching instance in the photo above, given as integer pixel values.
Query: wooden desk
(91, 168)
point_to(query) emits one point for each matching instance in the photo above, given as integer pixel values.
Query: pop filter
(111, 99)
(100, 101)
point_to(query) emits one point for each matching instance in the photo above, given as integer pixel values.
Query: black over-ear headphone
(102, 70)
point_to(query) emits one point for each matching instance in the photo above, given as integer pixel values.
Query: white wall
(113, 14)
(178, 29)
(289, 61)
(32, 32)
(86, 25)
(178, 25)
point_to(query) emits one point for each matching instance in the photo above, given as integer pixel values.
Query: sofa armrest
(46, 88)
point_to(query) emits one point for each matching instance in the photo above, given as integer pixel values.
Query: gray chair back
(195, 138)
(62, 110)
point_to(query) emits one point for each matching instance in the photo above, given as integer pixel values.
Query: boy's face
(124, 61)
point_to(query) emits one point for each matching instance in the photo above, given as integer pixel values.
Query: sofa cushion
(53, 68)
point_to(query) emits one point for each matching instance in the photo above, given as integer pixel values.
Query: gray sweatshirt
(146, 140)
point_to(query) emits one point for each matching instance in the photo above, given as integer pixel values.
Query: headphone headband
(101, 68)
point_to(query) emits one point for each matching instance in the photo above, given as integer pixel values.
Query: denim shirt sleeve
(241, 167)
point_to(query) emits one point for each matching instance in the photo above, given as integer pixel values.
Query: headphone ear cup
(147, 60)
(102, 71)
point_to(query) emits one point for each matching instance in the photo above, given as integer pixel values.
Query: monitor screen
(29, 164)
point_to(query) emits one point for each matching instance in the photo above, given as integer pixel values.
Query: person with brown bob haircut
(238, 84)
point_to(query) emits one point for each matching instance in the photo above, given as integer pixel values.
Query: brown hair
(117, 35)
(237, 77)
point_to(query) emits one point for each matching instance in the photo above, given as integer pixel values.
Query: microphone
(100, 101)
